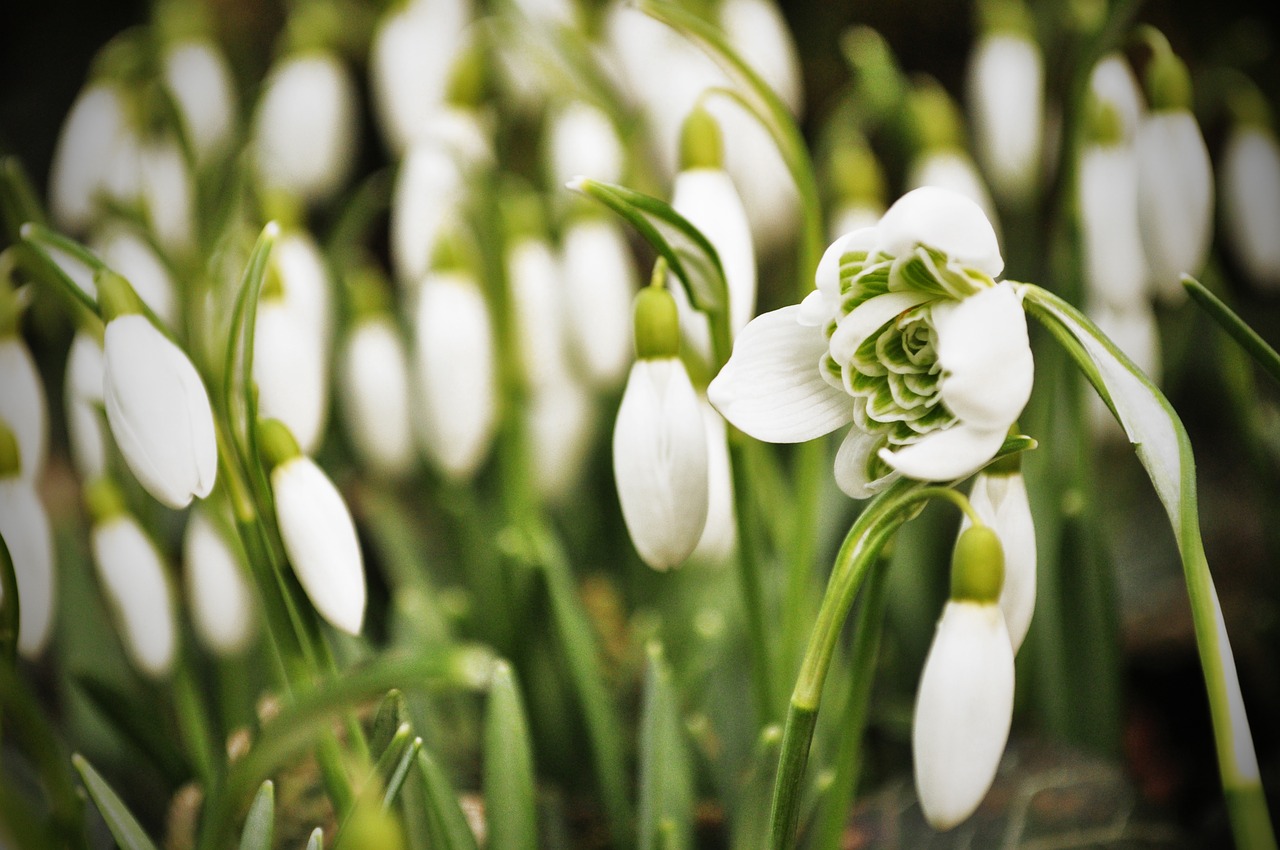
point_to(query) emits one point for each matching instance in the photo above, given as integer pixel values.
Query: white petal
(24, 525)
(1112, 81)
(758, 31)
(320, 539)
(218, 592)
(1001, 501)
(772, 387)
(583, 140)
(305, 280)
(1250, 186)
(867, 318)
(956, 171)
(945, 455)
(561, 419)
(760, 174)
(709, 200)
(533, 276)
(814, 311)
(83, 402)
(720, 534)
(1175, 198)
(200, 80)
(428, 189)
(944, 220)
(985, 356)
(129, 255)
(168, 194)
(86, 145)
(291, 373)
(851, 465)
(1005, 85)
(1115, 265)
(600, 282)
(159, 412)
(136, 585)
(23, 406)
(660, 462)
(375, 397)
(963, 712)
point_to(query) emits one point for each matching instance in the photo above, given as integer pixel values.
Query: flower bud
(84, 401)
(560, 419)
(600, 281)
(533, 276)
(428, 189)
(1000, 500)
(375, 395)
(199, 78)
(133, 258)
(1115, 266)
(582, 140)
(218, 592)
(167, 194)
(22, 403)
(24, 526)
(92, 133)
(1250, 193)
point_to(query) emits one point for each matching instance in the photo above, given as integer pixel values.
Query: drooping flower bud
(198, 76)
(999, 497)
(22, 399)
(581, 139)
(600, 282)
(375, 394)
(130, 255)
(218, 592)
(92, 133)
(1115, 266)
(1250, 195)
(24, 526)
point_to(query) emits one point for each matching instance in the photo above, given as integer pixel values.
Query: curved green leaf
(509, 792)
(1239, 330)
(124, 826)
(260, 822)
(446, 823)
(397, 779)
(10, 610)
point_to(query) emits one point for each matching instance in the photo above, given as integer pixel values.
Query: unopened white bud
(94, 127)
(84, 402)
(1175, 198)
(218, 592)
(199, 78)
(376, 393)
(1250, 186)
(136, 585)
(1006, 99)
(24, 525)
(23, 406)
(600, 281)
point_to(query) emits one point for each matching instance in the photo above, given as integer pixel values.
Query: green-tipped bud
(103, 501)
(448, 253)
(935, 118)
(467, 81)
(368, 290)
(1004, 16)
(977, 566)
(522, 213)
(1248, 107)
(276, 443)
(1103, 124)
(116, 297)
(10, 453)
(857, 174)
(701, 144)
(1168, 82)
(281, 206)
(657, 324)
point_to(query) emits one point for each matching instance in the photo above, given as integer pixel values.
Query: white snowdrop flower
(198, 76)
(413, 49)
(217, 589)
(560, 417)
(759, 33)
(581, 139)
(660, 442)
(429, 187)
(122, 181)
(291, 372)
(376, 393)
(907, 336)
(1115, 267)
(135, 582)
(84, 400)
(1250, 201)
(167, 194)
(760, 175)
(24, 526)
(22, 402)
(1134, 330)
(1005, 84)
(1000, 499)
(954, 170)
(720, 533)
(600, 281)
(318, 532)
(132, 257)
(533, 275)
(304, 127)
(544, 12)
(157, 406)
(86, 147)
(455, 373)
(1112, 82)
(304, 282)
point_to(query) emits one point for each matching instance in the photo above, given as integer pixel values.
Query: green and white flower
(907, 336)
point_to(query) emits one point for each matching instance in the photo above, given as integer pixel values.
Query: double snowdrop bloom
(200, 81)
(25, 529)
(600, 282)
(316, 527)
(660, 442)
(157, 406)
(218, 592)
(22, 399)
(1250, 196)
(907, 336)
(374, 375)
(83, 400)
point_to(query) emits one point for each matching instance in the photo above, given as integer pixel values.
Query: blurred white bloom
(599, 282)
(122, 180)
(136, 585)
(582, 140)
(854, 216)
(1115, 267)
(953, 169)
(428, 189)
(1250, 195)
(560, 417)
(24, 525)
(1113, 83)
(198, 76)
(303, 276)
(158, 411)
(963, 711)
(320, 539)
(375, 395)
(907, 336)
(133, 258)
(218, 592)
(93, 129)
(167, 194)
(291, 372)
(720, 533)
(304, 127)
(758, 31)
(23, 405)
(1000, 500)
(78, 271)
(533, 276)
(84, 400)
(660, 462)
(1175, 198)
(455, 372)
(1005, 85)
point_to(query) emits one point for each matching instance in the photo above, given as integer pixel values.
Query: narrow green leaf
(1239, 330)
(390, 719)
(396, 781)
(135, 725)
(447, 825)
(37, 252)
(124, 826)
(751, 822)
(666, 771)
(19, 201)
(509, 792)
(316, 841)
(260, 822)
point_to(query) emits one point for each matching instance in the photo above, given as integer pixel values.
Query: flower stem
(751, 584)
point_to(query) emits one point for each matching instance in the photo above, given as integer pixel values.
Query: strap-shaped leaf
(260, 822)
(124, 826)
(396, 781)
(390, 719)
(447, 825)
(509, 792)
(1247, 337)
(666, 772)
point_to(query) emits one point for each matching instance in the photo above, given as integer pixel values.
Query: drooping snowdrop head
(203, 88)
(28, 538)
(23, 405)
(217, 589)
(94, 130)
(83, 402)
(600, 280)
(582, 139)
(907, 336)
(374, 376)
(1249, 183)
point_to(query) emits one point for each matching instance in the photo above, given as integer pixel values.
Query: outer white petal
(200, 81)
(1113, 82)
(1175, 198)
(720, 533)
(375, 396)
(945, 220)
(944, 455)
(131, 256)
(1250, 202)
(583, 140)
(708, 199)
(84, 151)
(291, 373)
(218, 592)
(82, 393)
(1005, 85)
(427, 190)
(23, 406)
(304, 135)
(456, 373)
(955, 170)
(851, 465)
(561, 419)
(24, 525)
(600, 283)
(136, 585)
(320, 539)
(985, 357)
(963, 712)
(867, 318)
(1001, 501)
(660, 462)
(122, 178)
(158, 411)
(533, 275)
(1115, 265)
(305, 280)
(772, 386)
(168, 194)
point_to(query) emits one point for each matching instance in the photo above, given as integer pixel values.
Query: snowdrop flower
(24, 526)
(455, 372)
(941, 159)
(533, 277)
(907, 336)
(1115, 266)
(428, 189)
(134, 580)
(133, 258)
(218, 592)
(757, 29)
(659, 441)
(94, 129)
(1175, 180)
(720, 534)
(198, 76)
(167, 193)
(581, 139)
(375, 394)
(157, 406)
(1250, 194)
(290, 371)
(999, 497)
(1112, 82)
(304, 127)
(599, 283)
(964, 706)
(560, 419)
(22, 399)
(1005, 85)
(304, 282)
(316, 527)
(84, 400)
